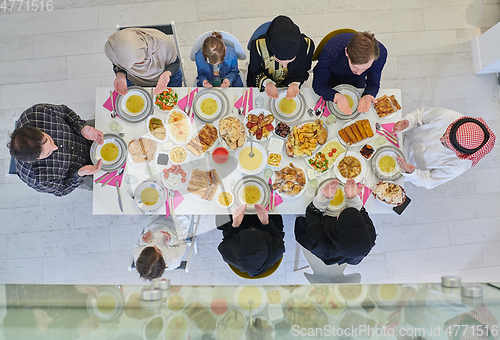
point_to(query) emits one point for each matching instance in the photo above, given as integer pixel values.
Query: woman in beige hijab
(143, 57)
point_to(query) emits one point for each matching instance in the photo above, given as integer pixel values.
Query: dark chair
(258, 32)
(168, 30)
(12, 165)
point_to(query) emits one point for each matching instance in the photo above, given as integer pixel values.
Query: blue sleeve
(322, 75)
(374, 74)
(233, 67)
(202, 67)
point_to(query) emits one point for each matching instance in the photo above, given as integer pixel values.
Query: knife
(96, 181)
(119, 196)
(144, 152)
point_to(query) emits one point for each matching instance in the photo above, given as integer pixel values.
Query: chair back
(258, 32)
(227, 38)
(327, 38)
(267, 273)
(12, 164)
(323, 273)
(168, 29)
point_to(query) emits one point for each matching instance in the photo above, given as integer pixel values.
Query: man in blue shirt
(350, 58)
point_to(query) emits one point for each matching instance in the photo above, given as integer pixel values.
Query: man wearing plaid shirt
(51, 145)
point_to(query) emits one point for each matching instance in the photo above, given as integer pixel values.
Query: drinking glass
(129, 179)
(259, 102)
(115, 126)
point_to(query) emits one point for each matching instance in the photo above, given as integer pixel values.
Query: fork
(318, 109)
(385, 132)
(171, 195)
(311, 110)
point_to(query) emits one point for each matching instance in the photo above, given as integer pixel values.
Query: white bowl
(177, 147)
(151, 134)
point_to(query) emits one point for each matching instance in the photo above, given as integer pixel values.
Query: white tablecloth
(105, 201)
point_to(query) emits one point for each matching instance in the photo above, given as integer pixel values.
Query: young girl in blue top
(217, 64)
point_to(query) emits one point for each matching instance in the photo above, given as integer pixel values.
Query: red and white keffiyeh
(470, 136)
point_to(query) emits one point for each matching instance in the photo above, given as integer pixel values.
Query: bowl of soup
(109, 152)
(149, 196)
(134, 103)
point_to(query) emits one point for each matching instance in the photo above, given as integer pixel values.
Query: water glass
(115, 126)
(259, 102)
(129, 179)
(331, 119)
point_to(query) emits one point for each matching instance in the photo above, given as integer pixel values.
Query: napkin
(247, 96)
(110, 175)
(183, 102)
(366, 194)
(239, 102)
(327, 112)
(107, 104)
(178, 198)
(277, 201)
(389, 127)
(389, 140)
(318, 103)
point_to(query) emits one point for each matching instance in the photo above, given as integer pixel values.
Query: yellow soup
(338, 199)
(349, 100)
(388, 292)
(248, 293)
(135, 103)
(287, 105)
(225, 199)
(252, 194)
(387, 164)
(106, 304)
(209, 106)
(250, 163)
(149, 196)
(109, 152)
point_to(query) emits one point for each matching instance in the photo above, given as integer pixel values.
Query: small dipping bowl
(220, 155)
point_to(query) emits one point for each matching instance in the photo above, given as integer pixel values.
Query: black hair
(26, 143)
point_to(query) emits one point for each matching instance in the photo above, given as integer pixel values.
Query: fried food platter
(352, 157)
(290, 181)
(306, 138)
(260, 124)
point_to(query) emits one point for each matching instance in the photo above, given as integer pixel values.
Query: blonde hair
(213, 49)
(362, 47)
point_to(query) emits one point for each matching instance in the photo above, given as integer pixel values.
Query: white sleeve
(321, 202)
(267, 81)
(430, 179)
(424, 115)
(355, 202)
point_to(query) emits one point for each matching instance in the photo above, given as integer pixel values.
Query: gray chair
(168, 30)
(258, 32)
(12, 164)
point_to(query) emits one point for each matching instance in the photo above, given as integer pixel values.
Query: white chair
(229, 40)
(191, 241)
(168, 30)
(323, 273)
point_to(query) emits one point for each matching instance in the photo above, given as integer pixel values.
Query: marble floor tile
(77, 196)
(220, 9)
(15, 48)
(485, 274)
(439, 18)
(465, 36)
(188, 33)
(32, 71)
(414, 89)
(428, 65)
(21, 270)
(36, 219)
(479, 230)
(435, 260)
(374, 266)
(49, 22)
(390, 70)
(70, 43)
(85, 219)
(321, 6)
(486, 108)
(487, 180)
(491, 253)
(452, 104)
(151, 13)
(89, 66)
(71, 242)
(464, 86)
(422, 42)
(409, 237)
(20, 195)
(124, 237)
(67, 91)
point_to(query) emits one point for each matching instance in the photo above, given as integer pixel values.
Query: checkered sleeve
(70, 117)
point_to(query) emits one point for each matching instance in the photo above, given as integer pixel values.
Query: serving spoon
(251, 154)
(250, 303)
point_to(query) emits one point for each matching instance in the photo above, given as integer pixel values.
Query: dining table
(105, 198)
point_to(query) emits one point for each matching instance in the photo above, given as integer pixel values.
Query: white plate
(201, 98)
(168, 333)
(257, 112)
(318, 146)
(391, 154)
(291, 114)
(361, 142)
(167, 182)
(219, 191)
(284, 195)
(385, 303)
(170, 160)
(351, 91)
(318, 172)
(383, 201)
(98, 151)
(151, 134)
(130, 93)
(214, 144)
(255, 309)
(222, 140)
(161, 330)
(161, 200)
(389, 116)
(169, 130)
(117, 297)
(157, 107)
(355, 301)
(241, 194)
(262, 165)
(143, 164)
(206, 168)
(356, 155)
(334, 208)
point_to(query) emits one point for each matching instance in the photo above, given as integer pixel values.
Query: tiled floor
(58, 57)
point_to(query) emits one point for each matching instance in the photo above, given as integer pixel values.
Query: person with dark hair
(441, 144)
(51, 146)
(350, 58)
(217, 64)
(143, 57)
(281, 57)
(252, 243)
(347, 238)
(161, 247)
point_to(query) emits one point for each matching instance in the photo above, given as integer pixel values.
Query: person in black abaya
(347, 238)
(281, 57)
(252, 243)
